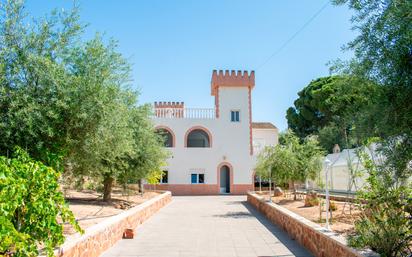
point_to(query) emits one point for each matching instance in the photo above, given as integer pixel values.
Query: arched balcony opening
(198, 137)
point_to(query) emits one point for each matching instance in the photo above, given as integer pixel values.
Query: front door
(224, 180)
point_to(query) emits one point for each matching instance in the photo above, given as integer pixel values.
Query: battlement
(231, 79)
(169, 109)
(174, 105)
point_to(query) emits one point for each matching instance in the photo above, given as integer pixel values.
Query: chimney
(336, 148)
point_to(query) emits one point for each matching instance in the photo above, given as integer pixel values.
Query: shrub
(332, 206)
(386, 222)
(311, 199)
(32, 207)
(79, 184)
(92, 185)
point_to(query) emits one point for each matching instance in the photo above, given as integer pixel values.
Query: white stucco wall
(339, 177)
(230, 142)
(264, 137)
(339, 172)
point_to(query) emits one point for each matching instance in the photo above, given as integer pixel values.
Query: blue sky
(174, 45)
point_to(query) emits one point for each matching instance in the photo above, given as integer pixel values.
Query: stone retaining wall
(102, 236)
(318, 240)
(339, 198)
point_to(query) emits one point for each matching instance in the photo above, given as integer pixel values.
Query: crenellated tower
(232, 79)
(233, 93)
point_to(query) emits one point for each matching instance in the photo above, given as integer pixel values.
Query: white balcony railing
(185, 113)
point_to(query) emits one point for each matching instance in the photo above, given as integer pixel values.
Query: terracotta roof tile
(263, 125)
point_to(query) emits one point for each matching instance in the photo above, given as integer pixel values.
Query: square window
(194, 178)
(197, 178)
(234, 116)
(165, 177)
(201, 178)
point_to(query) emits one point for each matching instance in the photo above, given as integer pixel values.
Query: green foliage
(313, 108)
(275, 163)
(32, 207)
(291, 160)
(35, 86)
(328, 107)
(311, 200)
(330, 135)
(332, 206)
(310, 156)
(386, 222)
(155, 177)
(123, 144)
(65, 97)
(148, 155)
(383, 54)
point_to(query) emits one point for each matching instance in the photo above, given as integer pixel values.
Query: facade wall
(264, 137)
(230, 143)
(200, 189)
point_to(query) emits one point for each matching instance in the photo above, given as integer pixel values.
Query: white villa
(213, 150)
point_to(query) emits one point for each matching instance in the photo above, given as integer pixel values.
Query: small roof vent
(336, 148)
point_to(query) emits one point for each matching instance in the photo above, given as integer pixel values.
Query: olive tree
(66, 97)
(383, 54)
(385, 224)
(291, 161)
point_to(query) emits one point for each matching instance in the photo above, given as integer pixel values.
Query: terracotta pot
(128, 233)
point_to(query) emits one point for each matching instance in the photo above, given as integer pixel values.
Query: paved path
(208, 226)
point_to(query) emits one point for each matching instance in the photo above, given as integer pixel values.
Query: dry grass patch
(89, 208)
(342, 222)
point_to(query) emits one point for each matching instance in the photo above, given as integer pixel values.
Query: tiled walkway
(209, 226)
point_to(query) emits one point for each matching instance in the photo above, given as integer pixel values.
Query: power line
(293, 36)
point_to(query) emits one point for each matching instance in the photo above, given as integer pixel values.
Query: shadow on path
(280, 234)
(235, 215)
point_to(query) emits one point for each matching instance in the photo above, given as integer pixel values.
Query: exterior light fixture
(328, 164)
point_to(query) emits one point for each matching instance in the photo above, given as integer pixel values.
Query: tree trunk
(290, 188)
(294, 190)
(107, 190)
(141, 187)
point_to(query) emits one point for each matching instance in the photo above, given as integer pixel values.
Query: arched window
(167, 136)
(198, 138)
